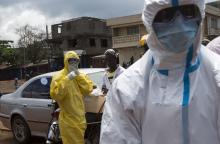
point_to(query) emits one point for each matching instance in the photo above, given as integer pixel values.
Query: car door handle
(24, 105)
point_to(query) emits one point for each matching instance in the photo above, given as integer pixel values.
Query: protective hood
(164, 59)
(214, 45)
(68, 55)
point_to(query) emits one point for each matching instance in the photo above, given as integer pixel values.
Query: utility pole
(50, 49)
(24, 71)
(47, 32)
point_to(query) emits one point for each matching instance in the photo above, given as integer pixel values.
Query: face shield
(176, 27)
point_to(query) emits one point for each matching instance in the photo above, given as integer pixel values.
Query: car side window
(97, 78)
(39, 89)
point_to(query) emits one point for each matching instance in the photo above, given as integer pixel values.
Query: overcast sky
(38, 13)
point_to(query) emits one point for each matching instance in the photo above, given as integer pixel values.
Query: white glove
(76, 72)
(73, 67)
(71, 75)
(96, 92)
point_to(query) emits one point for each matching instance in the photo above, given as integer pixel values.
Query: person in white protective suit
(172, 94)
(214, 45)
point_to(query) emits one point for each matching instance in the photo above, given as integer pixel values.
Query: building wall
(84, 44)
(143, 30)
(82, 31)
(213, 25)
(85, 33)
(82, 25)
(125, 54)
(127, 45)
(212, 20)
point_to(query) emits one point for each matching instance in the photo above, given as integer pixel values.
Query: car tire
(20, 130)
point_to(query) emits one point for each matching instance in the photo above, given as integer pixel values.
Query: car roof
(84, 70)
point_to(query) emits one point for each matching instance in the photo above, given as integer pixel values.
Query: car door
(37, 105)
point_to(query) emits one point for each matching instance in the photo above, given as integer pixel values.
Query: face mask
(73, 64)
(73, 67)
(177, 35)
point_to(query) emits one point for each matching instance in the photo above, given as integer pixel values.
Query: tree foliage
(9, 56)
(36, 51)
(3, 45)
(7, 53)
(32, 40)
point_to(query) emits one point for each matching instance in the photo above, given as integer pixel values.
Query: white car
(27, 111)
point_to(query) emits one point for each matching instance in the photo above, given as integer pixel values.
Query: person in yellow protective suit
(68, 87)
(143, 42)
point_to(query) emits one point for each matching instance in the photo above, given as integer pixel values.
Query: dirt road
(6, 137)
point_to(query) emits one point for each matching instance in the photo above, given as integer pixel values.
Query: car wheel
(20, 130)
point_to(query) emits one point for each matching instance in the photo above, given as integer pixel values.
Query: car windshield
(97, 78)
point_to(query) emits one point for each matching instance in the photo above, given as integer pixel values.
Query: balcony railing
(125, 41)
(213, 31)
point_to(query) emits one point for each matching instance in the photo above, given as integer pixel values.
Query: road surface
(6, 137)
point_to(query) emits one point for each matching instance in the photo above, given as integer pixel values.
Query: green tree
(36, 51)
(10, 56)
(3, 44)
(7, 53)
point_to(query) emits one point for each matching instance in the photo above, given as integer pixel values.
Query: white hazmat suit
(214, 45)
(165, 98)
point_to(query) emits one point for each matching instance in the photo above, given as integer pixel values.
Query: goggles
(73, 60)
(167, 15)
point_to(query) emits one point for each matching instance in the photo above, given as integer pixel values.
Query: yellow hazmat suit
(69, 94)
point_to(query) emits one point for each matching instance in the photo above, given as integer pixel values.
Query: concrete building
(212, 19)
(86, 35)
(127, 31)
